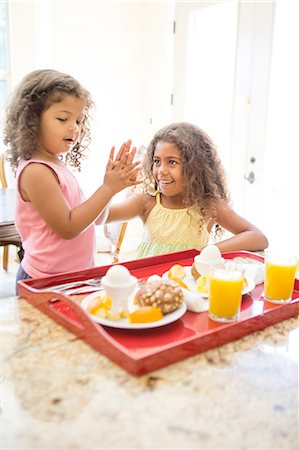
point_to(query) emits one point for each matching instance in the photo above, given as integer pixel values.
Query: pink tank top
(46, 253)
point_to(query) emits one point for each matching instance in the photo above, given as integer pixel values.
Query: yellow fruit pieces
(112, 316)
(176, 271)
(145, 314)
(100, 305)
(180, 283)
(202, 284)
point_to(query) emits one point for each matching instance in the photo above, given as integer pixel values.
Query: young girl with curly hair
(46, 130)
(190, 197)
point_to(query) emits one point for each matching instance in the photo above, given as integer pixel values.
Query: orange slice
(176, 271)
(202, 284)
(145, 314)
(180, 283)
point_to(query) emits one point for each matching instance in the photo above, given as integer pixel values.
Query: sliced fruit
(113, 316)
(106, 302)
(94, 304)
(101, 312)
(202, 284)
(145, 314)
(176, 271)
(100, 304)
(124, 314)
(180, 283)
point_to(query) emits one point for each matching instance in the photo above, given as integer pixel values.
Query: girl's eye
(156, 162)
(61, 120)
(172, 162)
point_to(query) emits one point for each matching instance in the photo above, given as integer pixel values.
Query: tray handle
(66, 311)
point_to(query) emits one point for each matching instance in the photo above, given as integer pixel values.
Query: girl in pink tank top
(47, 126)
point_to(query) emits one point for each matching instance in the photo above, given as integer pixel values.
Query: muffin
(160, 293)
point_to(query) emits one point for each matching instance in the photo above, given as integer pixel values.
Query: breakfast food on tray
(194, 272)
(145, 314)
(100, 306)
(160, 293)
(118, 275)
(176, 273)
(202, 284)
(209, 256)
(119, 285)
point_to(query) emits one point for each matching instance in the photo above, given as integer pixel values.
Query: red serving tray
(145, 350)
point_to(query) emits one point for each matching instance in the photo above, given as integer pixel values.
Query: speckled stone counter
(58, 393)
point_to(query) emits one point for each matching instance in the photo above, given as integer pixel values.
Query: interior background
(230, 67)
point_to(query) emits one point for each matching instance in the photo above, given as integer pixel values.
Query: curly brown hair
(205, 179)
(36, 93)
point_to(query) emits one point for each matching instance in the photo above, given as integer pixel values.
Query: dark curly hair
(36, 93)
(205, 179)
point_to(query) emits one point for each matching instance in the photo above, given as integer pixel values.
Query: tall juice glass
(225, 294)
(279, 277)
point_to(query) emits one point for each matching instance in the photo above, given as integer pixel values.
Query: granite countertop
(58, 393)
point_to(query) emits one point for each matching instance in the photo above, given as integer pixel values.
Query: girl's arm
(246, 235)
(103, 216)
(128, 209)
(40, 186)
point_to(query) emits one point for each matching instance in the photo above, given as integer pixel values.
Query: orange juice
(279, 280)
(225, 295)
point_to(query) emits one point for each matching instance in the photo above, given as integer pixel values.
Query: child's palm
(121, 172)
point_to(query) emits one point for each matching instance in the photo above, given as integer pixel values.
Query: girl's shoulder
(146, 203)
(37, 167)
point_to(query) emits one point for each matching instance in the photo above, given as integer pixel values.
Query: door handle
(250, 177)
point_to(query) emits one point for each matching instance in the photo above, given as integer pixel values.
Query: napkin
(253, 269)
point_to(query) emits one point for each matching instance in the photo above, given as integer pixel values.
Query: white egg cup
(119, 295)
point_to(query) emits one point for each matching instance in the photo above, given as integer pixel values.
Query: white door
(204, 66)
(279, 199)
(232, 62)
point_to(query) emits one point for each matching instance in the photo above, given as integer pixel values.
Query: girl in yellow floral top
(190, 197)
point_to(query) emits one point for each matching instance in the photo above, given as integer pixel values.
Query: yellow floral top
(172, 230)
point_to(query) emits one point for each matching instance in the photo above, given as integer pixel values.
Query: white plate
(191, 283)
(125, 324)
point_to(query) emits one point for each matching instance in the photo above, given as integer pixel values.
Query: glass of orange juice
(225, 293)
(280, 270)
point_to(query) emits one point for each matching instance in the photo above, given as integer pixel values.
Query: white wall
(120, 51)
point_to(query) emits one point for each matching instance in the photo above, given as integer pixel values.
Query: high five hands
(121, 171)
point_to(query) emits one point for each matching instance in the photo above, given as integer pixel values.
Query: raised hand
(122, 172)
